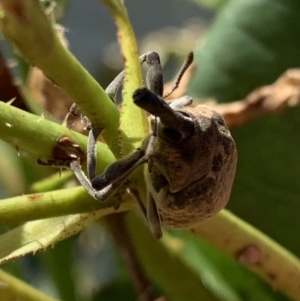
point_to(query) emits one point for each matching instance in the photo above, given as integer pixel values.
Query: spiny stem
(253, 248)
(25, 25)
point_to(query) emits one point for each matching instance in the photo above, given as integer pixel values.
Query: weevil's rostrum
(190, 155)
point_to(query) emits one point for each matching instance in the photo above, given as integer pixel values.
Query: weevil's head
(193, 142)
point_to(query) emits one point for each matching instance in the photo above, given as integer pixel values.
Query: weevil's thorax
(185, 161)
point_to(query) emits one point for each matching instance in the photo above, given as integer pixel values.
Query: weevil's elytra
(191, 180)
(190, 155)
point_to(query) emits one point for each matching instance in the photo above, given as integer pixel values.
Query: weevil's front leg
(154, 81)
(103, 186)
(84, 181)
(113, 88)
(154, 76)
(94, 134)
(119, 170)
(153, 217)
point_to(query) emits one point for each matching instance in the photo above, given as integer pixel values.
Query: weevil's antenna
(186, 65)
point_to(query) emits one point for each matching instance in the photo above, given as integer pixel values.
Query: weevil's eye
(185, 114)
(172, 134)
(218, 118)
(181, 130)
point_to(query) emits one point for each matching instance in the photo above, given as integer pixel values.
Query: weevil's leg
(181, 102)
(102, 194)
(153, 217)
(72, 112)
(152, 212)
(73, 109)
(84, 181)
(119, 170)
(186, 65)
(136, 194)
(115, 179)
(154, 76)
(113, 88)
(94, 134)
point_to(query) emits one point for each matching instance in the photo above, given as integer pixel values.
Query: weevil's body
(190, 154)
(191, 180)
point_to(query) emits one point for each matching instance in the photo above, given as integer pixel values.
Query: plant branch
(129, 139)
(30, 207)
(26, 131)
(254, 249)
(16, 289)
(25, 25)
(283, 94)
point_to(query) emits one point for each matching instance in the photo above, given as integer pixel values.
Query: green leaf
(113, 291)
(251, 44)
(37, 235)
(166, 268)
(64, 278)
(240, 54)
(214, 4)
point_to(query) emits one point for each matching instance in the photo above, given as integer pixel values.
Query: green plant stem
(134, 126)
(130, 114)
(225, 231)
(38, 136)
(53, 182)
(253, 248)
(25, 25)
(30, 207)
(19, 290)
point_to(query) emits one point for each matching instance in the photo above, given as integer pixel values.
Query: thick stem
(26, 131)
(25, 25)
(30, 207)
(15, 289)
(254, 249)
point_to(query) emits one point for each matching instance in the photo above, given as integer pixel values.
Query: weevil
(190, 154)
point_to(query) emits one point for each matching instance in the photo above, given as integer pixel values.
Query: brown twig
(140, 281)
(8, 88)
(282, 94)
